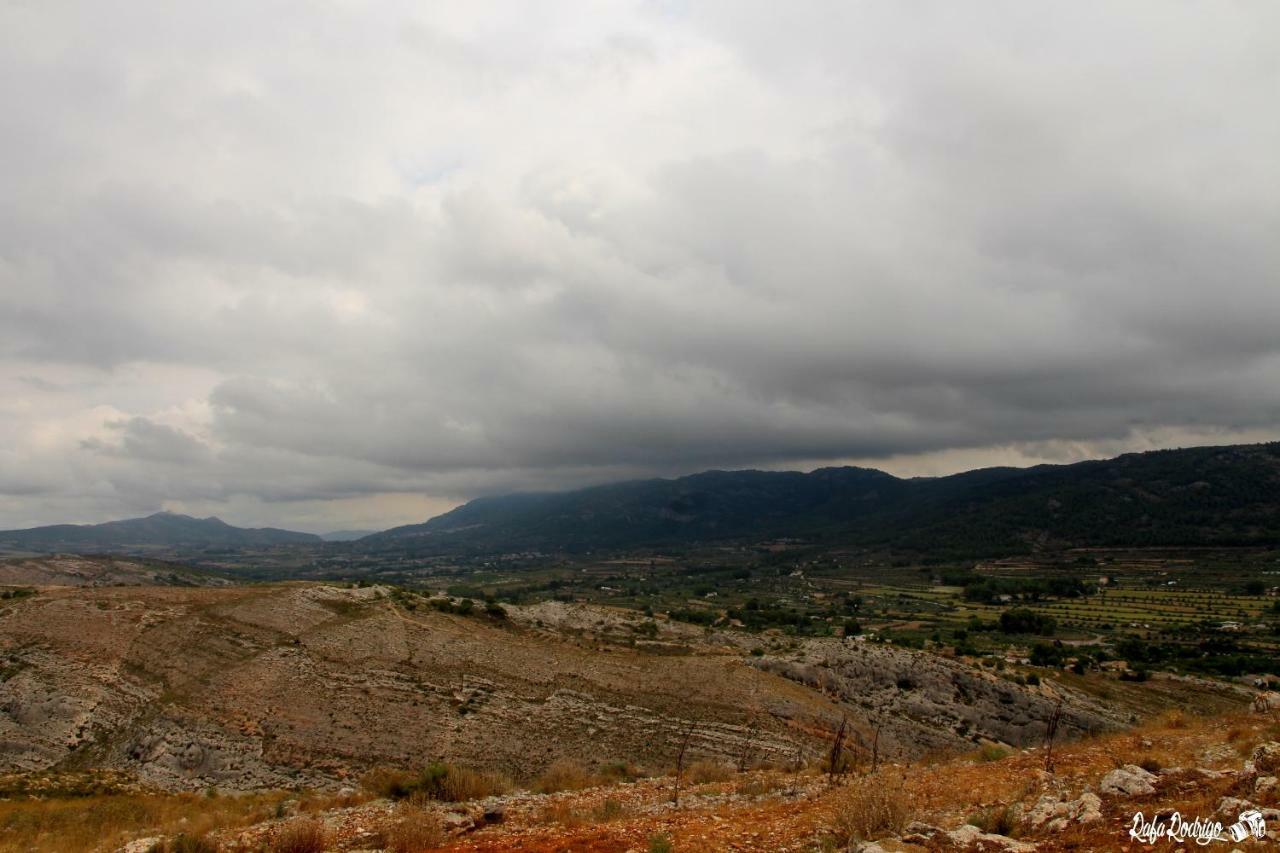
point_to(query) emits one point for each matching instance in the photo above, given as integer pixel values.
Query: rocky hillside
(286, 685)
(1084, 795)
(76, 570)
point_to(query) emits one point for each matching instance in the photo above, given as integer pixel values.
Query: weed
(610, 809)
(1000, 821)
(702, 772)
(413, 831)
(304, 835)
(660, 843)
(871, 807)
(564, 775)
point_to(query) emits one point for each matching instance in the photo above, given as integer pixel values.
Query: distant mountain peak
(162, 529)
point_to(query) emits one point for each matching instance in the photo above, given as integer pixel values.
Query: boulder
(1128, 781)
(1266, 758)
(969, 837)
(1056, 815)
(1231, 807)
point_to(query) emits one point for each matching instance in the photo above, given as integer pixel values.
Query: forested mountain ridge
(1187, 497)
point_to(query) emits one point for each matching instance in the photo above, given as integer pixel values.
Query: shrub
(991, 752)
(305, 835)
(660, 843)
(622, 771)
(184, 843)
(610, 809)
(437, 781)
(1000, 821)
(869, 808)
(564, 775)
(389, 783)
(413, 831)
(702, 772)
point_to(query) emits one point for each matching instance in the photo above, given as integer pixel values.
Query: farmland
(1213, 611)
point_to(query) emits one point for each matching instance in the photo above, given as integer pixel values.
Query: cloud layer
(346, 264)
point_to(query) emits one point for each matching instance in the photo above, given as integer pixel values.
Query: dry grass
(760, 785)
(460, 784)
(184, 843)
(704, 772)
(561, 813)
(302, 835)
(414, 830)
(438, 781)
(610, 809)
(1001, 821)
(56, 825)
(565, 775)
(564, 814)
(871, 807)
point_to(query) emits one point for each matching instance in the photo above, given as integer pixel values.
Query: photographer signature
(1178, 829)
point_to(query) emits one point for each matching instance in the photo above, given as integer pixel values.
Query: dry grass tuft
(414, 830)
(302, 835)
(610, 809)
(57, 824)
(1001, 821)
(460, 784)
(565, 775)
(561, 813)
(703, 772)
(438, 781)
(184, 843)
(871, 807)
(1175, 719)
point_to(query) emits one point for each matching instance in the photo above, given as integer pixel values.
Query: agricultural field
(1209, 612)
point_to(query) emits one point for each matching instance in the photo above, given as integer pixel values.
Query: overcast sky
(346, 264)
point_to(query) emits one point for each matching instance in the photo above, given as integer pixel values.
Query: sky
(340, 264)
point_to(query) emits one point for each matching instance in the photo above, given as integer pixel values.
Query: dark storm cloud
(304, 265)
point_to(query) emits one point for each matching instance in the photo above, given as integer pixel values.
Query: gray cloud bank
(329, 265)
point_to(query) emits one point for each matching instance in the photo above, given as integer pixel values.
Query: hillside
(267, 686)
(1194, 497)
(161, 529)
(1215, 768)
(98, 570)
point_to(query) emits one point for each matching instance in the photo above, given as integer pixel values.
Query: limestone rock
(1128, 781)
(969, 837)
(1266, 758)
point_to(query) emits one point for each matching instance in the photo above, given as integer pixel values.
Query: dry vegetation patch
(565, 775)
(870, 807)
(83, 823)
(301, 835)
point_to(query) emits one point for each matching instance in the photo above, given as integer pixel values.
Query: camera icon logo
(1248, 823)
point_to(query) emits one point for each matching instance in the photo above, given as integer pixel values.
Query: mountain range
(161, 529)
(1205, 496)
